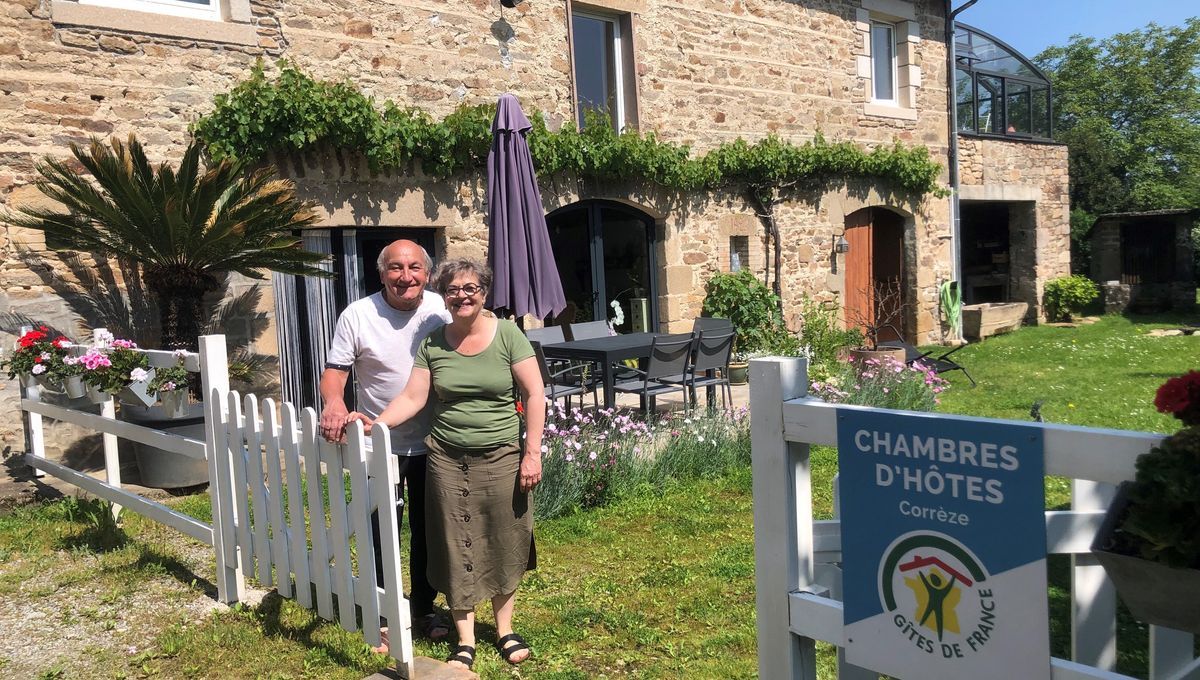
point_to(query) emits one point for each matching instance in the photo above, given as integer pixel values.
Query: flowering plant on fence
(113, 370)
(590, 458)
(1163, 520)
(882, 384)
(36, 353)
(171, 378)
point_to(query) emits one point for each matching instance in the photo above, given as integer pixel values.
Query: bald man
(378, 337)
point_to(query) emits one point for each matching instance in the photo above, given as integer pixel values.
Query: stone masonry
(705, 72)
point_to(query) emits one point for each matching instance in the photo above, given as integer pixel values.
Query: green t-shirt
(476, 399)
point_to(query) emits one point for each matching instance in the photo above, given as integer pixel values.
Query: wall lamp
(511, 3)
(842, 245)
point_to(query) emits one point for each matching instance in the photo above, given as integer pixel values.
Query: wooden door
(859, 293)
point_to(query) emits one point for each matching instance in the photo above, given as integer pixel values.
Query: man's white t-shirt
(380, 343)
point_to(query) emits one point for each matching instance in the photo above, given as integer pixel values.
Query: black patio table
(605, 351)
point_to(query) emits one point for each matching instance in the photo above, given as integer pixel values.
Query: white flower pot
(174, 403)
(74, 386)
(28, 380)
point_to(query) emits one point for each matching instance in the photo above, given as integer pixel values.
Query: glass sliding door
(605, 254)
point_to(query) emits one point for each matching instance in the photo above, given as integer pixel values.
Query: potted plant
(1149, 543)
(883, 322)
(181, 229)
(34, 355)
(68, 370)
(119, 371)
(172, 385)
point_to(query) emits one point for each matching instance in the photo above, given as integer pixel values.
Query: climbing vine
(294, 112)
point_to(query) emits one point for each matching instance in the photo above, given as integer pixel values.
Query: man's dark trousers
(412, 476)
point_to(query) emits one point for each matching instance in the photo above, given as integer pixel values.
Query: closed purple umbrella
(525, 277)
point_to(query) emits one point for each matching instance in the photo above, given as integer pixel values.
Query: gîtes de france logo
(938, 594)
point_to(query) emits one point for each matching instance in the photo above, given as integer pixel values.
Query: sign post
(943, 546)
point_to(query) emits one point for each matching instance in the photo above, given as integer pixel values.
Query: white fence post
(214, 381)
(112, 459)
(1093, 598)
(783, 548)
(35, 437)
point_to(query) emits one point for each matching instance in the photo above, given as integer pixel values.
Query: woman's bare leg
(464, 623)
(502, 607)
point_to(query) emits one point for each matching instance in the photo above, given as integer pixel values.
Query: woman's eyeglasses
(469, 290)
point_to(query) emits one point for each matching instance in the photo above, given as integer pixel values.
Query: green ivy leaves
(294, 112)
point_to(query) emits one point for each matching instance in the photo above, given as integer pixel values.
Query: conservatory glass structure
(999, 91)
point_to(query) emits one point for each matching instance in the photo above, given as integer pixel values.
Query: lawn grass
(1099, 375)
(657, 585)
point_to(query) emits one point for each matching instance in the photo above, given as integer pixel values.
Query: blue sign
(943, 546)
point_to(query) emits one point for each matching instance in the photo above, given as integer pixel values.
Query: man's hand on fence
(333, 422)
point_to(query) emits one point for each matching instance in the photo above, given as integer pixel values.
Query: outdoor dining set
(580, 358)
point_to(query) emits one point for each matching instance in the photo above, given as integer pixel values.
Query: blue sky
(1033, 25)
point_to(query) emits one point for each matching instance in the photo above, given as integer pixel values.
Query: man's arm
(334, 415)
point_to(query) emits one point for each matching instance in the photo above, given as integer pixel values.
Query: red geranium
(1180, 397)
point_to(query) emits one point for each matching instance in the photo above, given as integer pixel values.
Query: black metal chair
(709, 365)
(670, 355)
(588, 330)
(940, 364)
(547, 336)
(711, 323)
(564, 382)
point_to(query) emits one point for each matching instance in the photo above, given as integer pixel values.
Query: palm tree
(185, 228)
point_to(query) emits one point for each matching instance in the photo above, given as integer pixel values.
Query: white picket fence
(797, 559)
(293, 526)
(279, 499)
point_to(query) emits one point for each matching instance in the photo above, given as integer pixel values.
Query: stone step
(425, 668)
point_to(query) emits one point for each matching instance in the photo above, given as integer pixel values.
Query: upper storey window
(999, 91)
(883, 62)
(887, 60)
(602, 51)
(195, 9)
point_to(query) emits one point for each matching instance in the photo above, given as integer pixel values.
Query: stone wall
(1031, 177)
(707, 71)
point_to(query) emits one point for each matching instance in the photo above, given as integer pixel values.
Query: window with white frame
(193, 9)
(883, 62)
(602, 52)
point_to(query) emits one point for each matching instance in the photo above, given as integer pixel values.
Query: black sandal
(507, 652)
(464, 654)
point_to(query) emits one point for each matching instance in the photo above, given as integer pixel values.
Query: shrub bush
(754, 311)
(823, 337)
(882, 384)
(1066, 297)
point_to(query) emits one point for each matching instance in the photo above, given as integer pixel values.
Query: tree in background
(1128, 107)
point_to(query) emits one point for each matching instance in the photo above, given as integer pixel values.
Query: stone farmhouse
(699, 72)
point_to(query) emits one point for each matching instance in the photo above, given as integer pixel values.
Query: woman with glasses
(478, 510)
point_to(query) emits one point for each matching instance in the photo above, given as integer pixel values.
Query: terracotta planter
(861, 356)
(1153, 592)
(739, 372)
